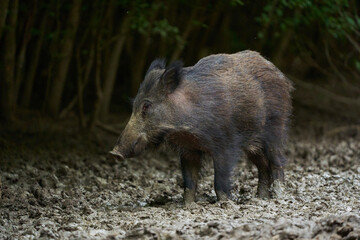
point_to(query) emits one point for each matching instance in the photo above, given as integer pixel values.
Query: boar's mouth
(126, 148)
(158, 139)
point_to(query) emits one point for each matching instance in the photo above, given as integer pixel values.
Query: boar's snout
(116, 154)
(130, 143)
(124, 148)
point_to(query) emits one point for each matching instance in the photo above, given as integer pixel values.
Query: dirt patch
(60, 184)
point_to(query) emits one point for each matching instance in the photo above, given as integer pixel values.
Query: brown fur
(221, 106)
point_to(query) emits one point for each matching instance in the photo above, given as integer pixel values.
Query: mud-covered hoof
(276, 189)
(189, 196)
(227, 204)
(264, 194)
(191, 206)
(221, 196)
(263, 191)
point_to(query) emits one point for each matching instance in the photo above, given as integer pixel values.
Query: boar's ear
(158, 63)
(171, 78)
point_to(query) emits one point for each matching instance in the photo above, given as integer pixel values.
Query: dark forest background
(63, 57)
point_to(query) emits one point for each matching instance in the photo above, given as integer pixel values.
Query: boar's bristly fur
(223, 106)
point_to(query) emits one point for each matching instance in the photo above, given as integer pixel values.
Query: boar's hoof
(263, 192)
(221, 196)
(276, 189)
(189, 196)
(116, 155)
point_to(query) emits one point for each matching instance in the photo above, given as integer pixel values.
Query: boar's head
(152, 114)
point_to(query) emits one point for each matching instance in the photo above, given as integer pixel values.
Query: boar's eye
(145, 108)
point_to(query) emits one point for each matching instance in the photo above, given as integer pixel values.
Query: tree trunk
(53, 50)
(4, 4)
(62, 67)
(99, 92)
(83, 74)
(29, 82)
(22, 53)
(139, 65)
(113, 66)
(140, 59)
(189, 27)
(7, 65)
(284, 43)
(98, 63)
(213, 19)
(80, 89)
(265, 30)
(223, 42)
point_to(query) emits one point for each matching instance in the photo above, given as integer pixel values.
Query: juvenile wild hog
(221, 106)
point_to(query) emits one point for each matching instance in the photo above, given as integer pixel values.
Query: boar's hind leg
(274, 142)
(264, 172)
(190, 166)
(277, 160)
(274, 152)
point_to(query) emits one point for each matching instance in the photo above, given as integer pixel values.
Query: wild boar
(223, 106)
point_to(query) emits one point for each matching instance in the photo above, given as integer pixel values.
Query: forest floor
(58, 183)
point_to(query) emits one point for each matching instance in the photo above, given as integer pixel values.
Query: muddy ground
(58, 183)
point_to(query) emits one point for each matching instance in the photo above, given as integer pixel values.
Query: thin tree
(61, 69)
(33, 66)
(112, 68)
(7, 65)
(3, 13)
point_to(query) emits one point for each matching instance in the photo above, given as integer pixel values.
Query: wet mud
(57, 183)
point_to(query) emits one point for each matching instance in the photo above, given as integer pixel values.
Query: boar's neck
(185, 139)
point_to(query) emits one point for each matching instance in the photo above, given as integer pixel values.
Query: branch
(318, 97)
(353, 42)
(332, 65)
(342, 129)
(309, 60)
(69, 107)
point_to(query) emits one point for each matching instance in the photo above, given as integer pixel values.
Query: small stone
(345, 230)
(71, 227)
(246, 228)
(101, 181)
(213, 224)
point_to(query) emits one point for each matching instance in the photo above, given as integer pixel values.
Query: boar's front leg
(190, 166)
(223, 165)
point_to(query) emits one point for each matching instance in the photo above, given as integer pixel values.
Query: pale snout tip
(116, 155)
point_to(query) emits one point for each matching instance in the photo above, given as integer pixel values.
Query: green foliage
(357, 64)
(140, 19)
(289, 32)
(144, 15)
(200, 24)
(236, 2)
(123, 3)
(35, 31)
(333, 16)
(165, 29)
